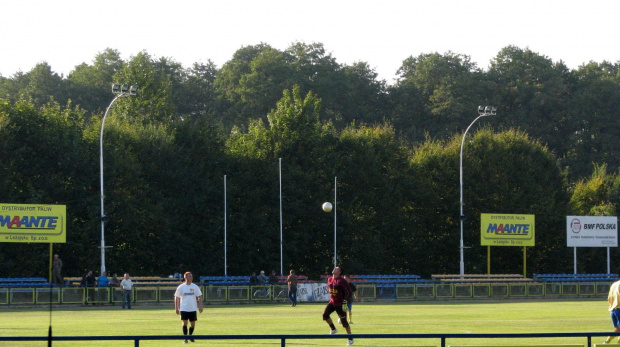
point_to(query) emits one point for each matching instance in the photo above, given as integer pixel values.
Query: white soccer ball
(327, 206)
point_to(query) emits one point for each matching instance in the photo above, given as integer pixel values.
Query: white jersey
(189, 297)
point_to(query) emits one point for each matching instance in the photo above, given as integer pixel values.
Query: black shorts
(330, 308)
(191, 316)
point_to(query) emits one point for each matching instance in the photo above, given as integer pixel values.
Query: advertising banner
(33, 223)
(312, 292)
(589, 231)
(507, 229)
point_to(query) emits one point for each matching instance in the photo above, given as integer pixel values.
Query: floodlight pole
(120, 91)
(483, 112)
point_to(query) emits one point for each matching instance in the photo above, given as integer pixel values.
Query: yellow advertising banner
(507, 229)
(33, 223)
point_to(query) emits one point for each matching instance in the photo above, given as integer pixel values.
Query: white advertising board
(589, 231)
(312, 292)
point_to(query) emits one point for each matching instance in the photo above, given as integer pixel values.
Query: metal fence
(278, 293)
(517, 340)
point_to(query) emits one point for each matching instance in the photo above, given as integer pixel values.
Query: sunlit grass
(453, 317)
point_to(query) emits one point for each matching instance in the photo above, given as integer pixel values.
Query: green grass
(453, 317)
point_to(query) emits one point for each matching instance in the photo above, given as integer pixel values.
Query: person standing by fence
(186, 300)
(56, 268)
(292, 287)
(126, 285)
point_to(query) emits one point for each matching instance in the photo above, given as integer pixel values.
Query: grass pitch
(451, 317)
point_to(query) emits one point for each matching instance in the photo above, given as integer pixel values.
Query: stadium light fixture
(483, 111)
(120, 91)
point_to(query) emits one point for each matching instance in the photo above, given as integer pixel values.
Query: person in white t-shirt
(187, 300)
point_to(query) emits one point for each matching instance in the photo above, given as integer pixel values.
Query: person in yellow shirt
(614, 307)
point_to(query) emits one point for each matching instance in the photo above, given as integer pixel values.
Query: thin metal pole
(335, 223)
(225, 220)
(575, 260)
(281, 241)
(608, 262)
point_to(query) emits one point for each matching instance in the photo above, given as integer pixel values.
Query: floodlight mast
(120, 91)
(483, 111)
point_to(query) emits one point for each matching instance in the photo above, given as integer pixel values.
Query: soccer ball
(327, 207)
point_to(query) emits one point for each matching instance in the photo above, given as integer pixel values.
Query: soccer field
(450, 317)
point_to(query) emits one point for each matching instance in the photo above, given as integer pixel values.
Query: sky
(382, 33)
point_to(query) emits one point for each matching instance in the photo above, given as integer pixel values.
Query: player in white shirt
(186, 300)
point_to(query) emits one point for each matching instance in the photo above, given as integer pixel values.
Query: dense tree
(45, 161)
(532, 92)
(599, 195)
(89, 85)
(168, 148)
(595, 119)
(41, 85)
(447, 88)
(503, 173)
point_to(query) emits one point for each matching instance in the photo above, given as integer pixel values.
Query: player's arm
(177, 301)
(200, 303)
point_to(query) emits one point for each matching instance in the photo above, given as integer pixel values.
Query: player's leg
(350, 311)
(615, 319)
(184, 319)
(329, 309)
(184, 328)
(345, 323)
(192, 324)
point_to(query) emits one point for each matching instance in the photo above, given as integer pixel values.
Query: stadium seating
(479, 278)
(384, 279)
(576, 277)
(240, 280)
(24, 282)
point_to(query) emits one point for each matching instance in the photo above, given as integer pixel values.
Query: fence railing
(442, 338)
(279, 293)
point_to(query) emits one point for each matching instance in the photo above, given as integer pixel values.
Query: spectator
(273, 279)
(90, 282)
(253, 278)
(292, 287)
(262, 279)
(126, 285)
(56, 268)
(114, 281)
(103, 282)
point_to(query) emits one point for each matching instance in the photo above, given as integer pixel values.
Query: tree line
(550, 151)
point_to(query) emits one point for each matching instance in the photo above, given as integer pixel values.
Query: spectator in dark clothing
(253, 278)
(273, 279)
(89, 283)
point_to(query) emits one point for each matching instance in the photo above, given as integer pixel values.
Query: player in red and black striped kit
(339, 294)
